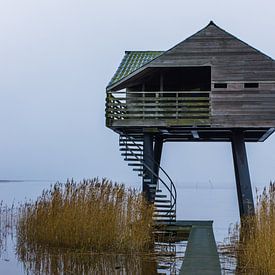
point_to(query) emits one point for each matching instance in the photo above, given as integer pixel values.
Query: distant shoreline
(6, 181)
(11, 180)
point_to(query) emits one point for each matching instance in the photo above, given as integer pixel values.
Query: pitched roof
(209, 46)
(132, 61)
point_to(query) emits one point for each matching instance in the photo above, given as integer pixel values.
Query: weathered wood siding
(233, 62)
(230, 58)
(237, 107)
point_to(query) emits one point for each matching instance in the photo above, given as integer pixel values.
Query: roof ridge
(143, 65)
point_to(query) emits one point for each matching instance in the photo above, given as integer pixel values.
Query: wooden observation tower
(210, 87)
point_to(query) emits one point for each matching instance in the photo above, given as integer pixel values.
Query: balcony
(157, 109)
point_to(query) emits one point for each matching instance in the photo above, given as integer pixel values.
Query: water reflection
(8, 218)
(42, 260)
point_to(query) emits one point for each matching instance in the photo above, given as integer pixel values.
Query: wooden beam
(267, 134)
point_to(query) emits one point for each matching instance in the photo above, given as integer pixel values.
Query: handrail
(174, 196)
(158, 92)
(182, 107)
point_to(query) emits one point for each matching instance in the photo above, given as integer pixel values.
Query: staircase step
(134, 159)
(163, 205)
(135, 164)
(138, 169)
(136, 139)
(140, 140)
(164, 216)
(124, 145)
(162, 201)
(160, 196)
(165, 222)
(165, 211)
(129, 150)
(154, 189)
(129, 154)
(147, 180)
(133, 136)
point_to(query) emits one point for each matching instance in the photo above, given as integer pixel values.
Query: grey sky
(56, 58)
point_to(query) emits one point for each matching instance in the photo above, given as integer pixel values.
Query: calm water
(196, 201)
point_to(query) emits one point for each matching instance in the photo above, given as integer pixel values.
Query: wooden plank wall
(230, 58)
(239, 107)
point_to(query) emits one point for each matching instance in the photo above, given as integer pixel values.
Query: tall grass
(91, 215)
(255, 246)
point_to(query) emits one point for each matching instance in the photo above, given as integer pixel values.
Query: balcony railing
(178, 108)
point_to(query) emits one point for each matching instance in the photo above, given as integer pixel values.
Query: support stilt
(243, 183)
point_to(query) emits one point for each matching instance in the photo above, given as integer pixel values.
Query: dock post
(243, 183)
(148, 156)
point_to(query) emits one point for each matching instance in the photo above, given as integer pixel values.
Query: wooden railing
(181, 107)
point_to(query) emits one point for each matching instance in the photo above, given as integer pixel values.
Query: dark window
(220, 85)
(251, 85)
(187, 79)
(152, 83)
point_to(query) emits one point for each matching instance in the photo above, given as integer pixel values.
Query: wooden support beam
(243, 183)
(266, 134)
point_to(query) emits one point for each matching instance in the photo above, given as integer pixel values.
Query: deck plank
(201, 256)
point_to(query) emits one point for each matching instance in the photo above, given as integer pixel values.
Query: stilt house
(210, 87)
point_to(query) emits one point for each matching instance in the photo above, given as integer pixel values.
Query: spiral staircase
(160, 188)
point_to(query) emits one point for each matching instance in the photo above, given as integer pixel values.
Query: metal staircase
(161, 189)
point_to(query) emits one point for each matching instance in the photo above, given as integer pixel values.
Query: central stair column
(157, 156)
(148, 155)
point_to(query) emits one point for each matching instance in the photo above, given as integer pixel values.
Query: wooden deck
(201, 256)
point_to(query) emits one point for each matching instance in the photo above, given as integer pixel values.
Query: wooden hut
(210, 87)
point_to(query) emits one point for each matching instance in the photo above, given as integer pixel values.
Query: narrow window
(220, 85)
(251, 85)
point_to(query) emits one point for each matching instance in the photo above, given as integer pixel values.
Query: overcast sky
(56, 58)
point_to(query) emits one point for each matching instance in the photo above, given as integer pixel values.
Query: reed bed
(253, 243)
(92, 215)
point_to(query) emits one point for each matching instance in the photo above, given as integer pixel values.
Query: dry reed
(254, 241)
(91, 215)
